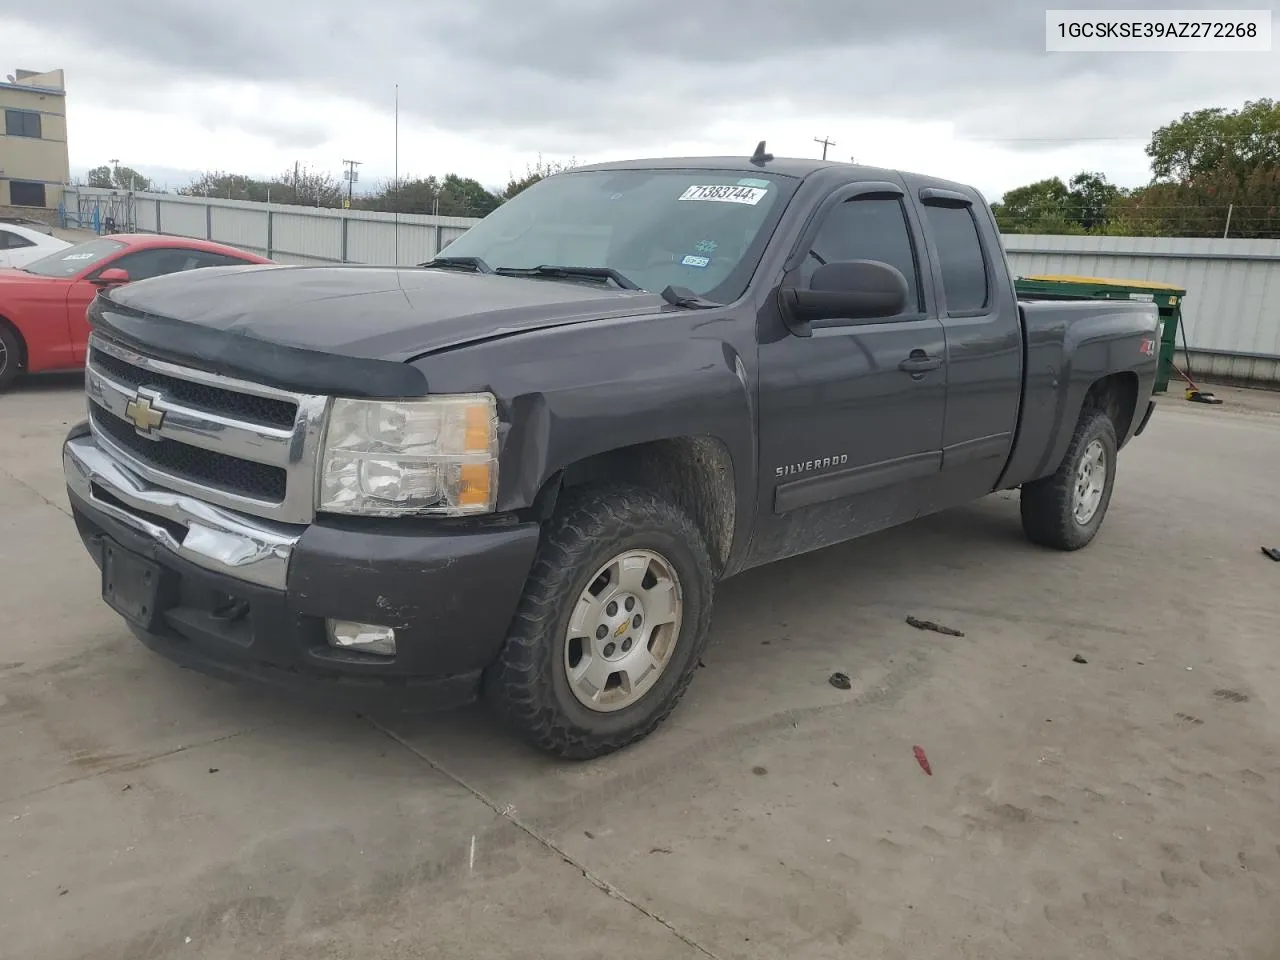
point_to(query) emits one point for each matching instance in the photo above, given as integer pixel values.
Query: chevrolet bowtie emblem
(142, 414)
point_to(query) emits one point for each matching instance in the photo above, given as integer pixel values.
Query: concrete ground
(1124, 807)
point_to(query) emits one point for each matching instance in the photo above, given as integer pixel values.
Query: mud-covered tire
(10, 357)
(1051, 507)
(530, 685)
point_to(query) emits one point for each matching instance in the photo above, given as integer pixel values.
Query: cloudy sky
(957, 88)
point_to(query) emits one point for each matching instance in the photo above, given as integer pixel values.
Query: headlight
(436, 456)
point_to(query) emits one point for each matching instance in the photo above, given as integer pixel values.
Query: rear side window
(866, 229)
(13, 241)
(964, 269)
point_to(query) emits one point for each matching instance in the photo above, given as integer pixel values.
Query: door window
(964, 268)
(155, 262)
(159, 261)
(871, 228)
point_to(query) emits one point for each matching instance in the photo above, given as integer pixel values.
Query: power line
(1218, 138)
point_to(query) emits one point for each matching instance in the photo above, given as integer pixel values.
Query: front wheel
(1064, 511)
(10, 357)
(609, 630)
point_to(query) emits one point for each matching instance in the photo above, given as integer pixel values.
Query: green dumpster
(1167, 298)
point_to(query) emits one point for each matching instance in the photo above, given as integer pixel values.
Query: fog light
(364, 637)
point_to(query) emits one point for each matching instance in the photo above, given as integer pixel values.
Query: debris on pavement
(1233, 696)
(213, 769)
(922, 760)
(935, 627)
(1272, 552)
(840, 681)
(759, 771)
(1078, 659)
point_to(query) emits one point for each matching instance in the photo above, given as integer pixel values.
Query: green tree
(118, 178)
(1215, 204)
(297, 185)
(1083, 205)
(1027, 209)
(450, 196)
(231, 186)
(465, 197)
(1091, 200)
(1218, 141)
(533, 173)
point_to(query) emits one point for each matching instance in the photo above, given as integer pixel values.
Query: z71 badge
(809, 465)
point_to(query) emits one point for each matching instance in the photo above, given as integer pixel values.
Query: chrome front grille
(240, 445)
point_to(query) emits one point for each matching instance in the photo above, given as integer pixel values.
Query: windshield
(704, 230)
(70, 261)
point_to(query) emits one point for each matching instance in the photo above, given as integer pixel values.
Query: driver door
(851, 418)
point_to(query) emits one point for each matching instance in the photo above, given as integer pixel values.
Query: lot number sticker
(725, 193)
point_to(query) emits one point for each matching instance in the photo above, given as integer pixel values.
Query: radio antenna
(396, 177)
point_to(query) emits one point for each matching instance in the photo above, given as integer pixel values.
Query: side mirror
(112, 276)
(844, 290)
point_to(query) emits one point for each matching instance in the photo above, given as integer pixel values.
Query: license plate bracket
(130, 584)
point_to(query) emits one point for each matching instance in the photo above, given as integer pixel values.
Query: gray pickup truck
(520, 469)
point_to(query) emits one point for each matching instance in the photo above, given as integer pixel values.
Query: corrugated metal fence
(285, 233)
(1232, 311)
(1231, 314)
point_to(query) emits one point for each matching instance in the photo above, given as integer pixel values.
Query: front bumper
(449, 590)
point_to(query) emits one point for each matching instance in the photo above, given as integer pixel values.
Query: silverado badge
(142, 414)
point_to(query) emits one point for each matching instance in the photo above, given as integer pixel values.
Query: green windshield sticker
(752, 182)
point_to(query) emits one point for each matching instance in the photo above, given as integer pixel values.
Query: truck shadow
(777, 634)
(35, 384)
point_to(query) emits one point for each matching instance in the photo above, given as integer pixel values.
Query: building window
(22, 123)
(25, 194)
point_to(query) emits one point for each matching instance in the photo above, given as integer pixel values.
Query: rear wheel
(10, 356)
(608, 633)
(1064, 511)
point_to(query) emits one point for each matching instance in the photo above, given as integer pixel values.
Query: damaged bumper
(243, 598)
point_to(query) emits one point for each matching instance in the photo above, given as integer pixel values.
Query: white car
(21, 245)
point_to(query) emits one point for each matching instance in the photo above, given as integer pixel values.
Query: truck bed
(1058, 370)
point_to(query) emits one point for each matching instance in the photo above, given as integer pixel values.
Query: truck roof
(799, 167)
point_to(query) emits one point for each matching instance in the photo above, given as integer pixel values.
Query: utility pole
(351, 177)
(826, 142)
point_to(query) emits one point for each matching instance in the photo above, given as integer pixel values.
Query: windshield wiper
(684, 297)
(570, 273)
(475, 264)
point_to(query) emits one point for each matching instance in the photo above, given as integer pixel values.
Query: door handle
(919, 362)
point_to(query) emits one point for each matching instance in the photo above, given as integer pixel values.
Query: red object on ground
(45, 301)
(922, 760)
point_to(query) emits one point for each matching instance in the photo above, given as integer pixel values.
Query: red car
(42, 305)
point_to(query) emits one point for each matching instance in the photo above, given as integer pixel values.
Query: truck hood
(376, 313)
